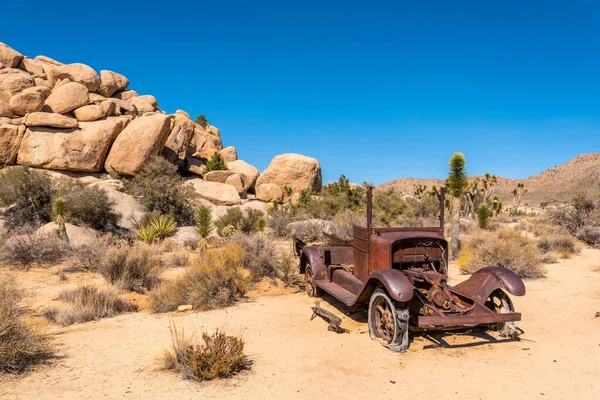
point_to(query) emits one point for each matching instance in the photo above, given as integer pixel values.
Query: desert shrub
(179, 259)
(246, 221)
(204, 220)
(133, 268)
(259, 255)
(20, 346)
(161, 189)
(28, 246)
(505, 248)
(228, 231)
(279, 220)
(91, 206)
(564, 245)
(89, 255)
(146, 234)
(88, 303)
(341, 229)
(287, 269)
(483, 215)
(202, 121)
(28, 195)
(220, 356)
(310, 230)
(216, 163)
(589, 235)
(388, 206)
(217, 281)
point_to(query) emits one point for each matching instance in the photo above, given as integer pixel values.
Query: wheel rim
(500, 304)
(382, 318)
(310, 284)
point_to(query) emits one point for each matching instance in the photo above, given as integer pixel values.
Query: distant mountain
(560, 183)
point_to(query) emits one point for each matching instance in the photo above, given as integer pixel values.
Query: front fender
(310, 255)
(395, 283)
(483, 282)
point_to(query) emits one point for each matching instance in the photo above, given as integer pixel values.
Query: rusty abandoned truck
(402, 274)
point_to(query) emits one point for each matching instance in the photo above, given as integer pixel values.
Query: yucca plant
(163, 226)
(59, 213)
(456, 184)
(204, 220)
(146, 234)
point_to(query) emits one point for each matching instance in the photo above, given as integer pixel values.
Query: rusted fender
(310, 254)
(395, 282)
(483, 282)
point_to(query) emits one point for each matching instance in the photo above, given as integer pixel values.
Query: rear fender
(310, 255)
(483, 282)
(395, 283)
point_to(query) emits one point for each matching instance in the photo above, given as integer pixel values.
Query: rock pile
(68, 117)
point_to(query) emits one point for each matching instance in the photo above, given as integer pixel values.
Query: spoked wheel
(387, 323)
(500, 303)
(311, 289)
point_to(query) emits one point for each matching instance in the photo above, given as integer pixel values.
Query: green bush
(204, 220)
(202, 121)
(388, 206)
(28, 193)
(216, 163)
(483, 215)
(162, 189)
(91, 206)
(247, 221)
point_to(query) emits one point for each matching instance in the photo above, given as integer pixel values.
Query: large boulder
(235, 179)
(142, 104)
(294, 170)
(125, 95)
(130, 210)
(111, 83)
(90, 112)
(10, 140)
(177, 144)
(82, 149)
(13, 81)
(43, 90)
(242, 167)
(9, 58)
(32, 66)
(269, 192)
(229, 154)
(26, 102)
(215, 192)
(67, 97)
(5, 110)
(79, 73)
(50, 119)
(142, 139)
(78, 235)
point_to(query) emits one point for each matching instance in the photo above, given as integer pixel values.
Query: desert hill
(559, 183)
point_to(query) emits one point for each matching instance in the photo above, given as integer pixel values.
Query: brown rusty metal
(334, 320)
(411, 266)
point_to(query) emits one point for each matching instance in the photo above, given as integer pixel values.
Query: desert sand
(557, 356)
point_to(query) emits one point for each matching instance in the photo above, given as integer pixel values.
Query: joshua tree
(483, 213)
(204, 220)
(59, 213)
(517, 193)
(456, 184)
(496, 206)
(488, 181)
(419, 190)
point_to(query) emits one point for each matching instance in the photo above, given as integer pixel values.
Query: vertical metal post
(442, 207)
(369, 223)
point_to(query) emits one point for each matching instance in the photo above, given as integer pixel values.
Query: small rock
(183, 308)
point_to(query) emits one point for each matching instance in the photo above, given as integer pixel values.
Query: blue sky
(374, 90)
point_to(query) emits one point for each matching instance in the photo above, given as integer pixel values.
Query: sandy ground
(557, 357)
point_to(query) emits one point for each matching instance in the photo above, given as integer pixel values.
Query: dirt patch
(557, 356)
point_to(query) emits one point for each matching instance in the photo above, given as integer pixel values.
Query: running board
(468, 320)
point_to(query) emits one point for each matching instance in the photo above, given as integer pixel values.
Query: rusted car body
(402, 274)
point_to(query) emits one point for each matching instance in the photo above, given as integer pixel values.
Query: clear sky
(375, 90)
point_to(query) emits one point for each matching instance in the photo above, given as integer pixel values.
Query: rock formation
(68, 117)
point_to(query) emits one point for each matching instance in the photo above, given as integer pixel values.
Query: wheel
(500, 303)
(311, 289)
(387, 323)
